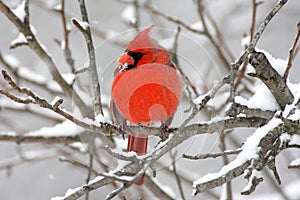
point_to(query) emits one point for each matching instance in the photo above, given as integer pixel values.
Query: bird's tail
(138, 143)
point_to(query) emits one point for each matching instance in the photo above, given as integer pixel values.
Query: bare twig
(65, 43)
(202, 102)
(212, 155)
(86, 31)
(292, 53)
(78, 164)
(237, 109)
(30, 156)
(156, 189)
(186, 80)
(210, 37)
(14, 137)
(235, 66)
(271, 180)
(219, 34)
(252, 28)
(265, 144)
(17, 71)
(173, 19)
(173, 158)
(41, 52)
(35, 99)
(91, 150)
(225, 161)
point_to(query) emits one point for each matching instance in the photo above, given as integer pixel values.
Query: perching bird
(146, 89)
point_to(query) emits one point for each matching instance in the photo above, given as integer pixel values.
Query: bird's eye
(139, 55)
(135, 55)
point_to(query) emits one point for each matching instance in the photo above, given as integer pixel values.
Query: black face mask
(136, 56)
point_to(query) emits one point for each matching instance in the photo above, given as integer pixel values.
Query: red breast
(148, 93)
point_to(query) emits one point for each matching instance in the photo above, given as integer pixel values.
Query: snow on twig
(230, 171)
(19, 11)
(80, 24)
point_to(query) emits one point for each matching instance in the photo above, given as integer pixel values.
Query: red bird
(146, 89)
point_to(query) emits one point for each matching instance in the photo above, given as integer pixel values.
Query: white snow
(58, 7)
(295, 116)
(285, 137)
(82, 147)
(245, 41)
(200, 98)
(262, 99)
(278, 64)
(295, 139)
(19, 40)
(55, 100)
(69, 192)
(162, 144)
(124, 178)
(197, 26)
(8, 133)
(128, 154)
(66, 128)
(82, 24)
(19, 11)
(250, 150)
(96, 179)
(69, 78)
(255, 174)
(63, 45)
(129, 14)
(120, 143)
(102, 119)
(295, 162)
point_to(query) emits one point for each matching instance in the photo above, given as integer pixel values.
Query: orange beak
(125, 58)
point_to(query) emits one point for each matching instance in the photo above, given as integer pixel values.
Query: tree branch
(212, 155)
(86, 31)
(292, 53)
(235, 66)
(243, 161)
(270, 77)
(41, 52)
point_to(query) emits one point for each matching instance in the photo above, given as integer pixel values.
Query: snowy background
(48, 178)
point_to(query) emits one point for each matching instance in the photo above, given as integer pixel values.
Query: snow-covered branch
(271, 78)
(253, 156)
(39, 49)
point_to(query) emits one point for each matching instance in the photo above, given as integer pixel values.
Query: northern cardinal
(146, 89)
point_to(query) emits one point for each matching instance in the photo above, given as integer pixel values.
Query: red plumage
(146, 88)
